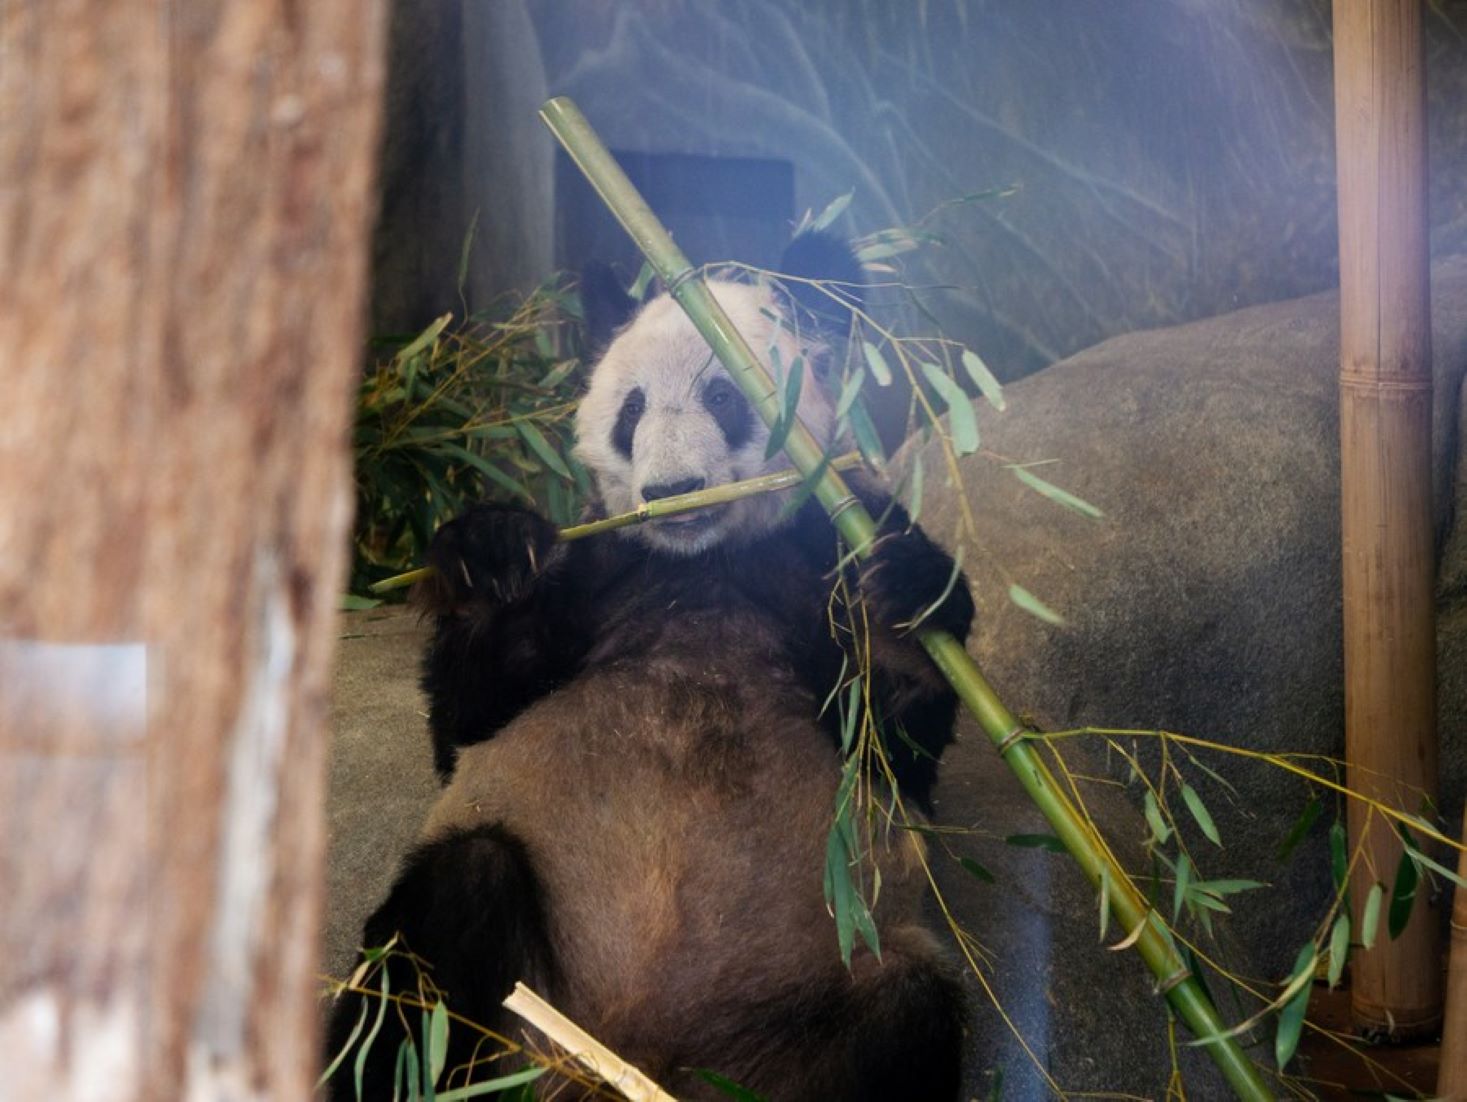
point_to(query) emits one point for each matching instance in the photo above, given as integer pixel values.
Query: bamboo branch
(1154, 941)
(651, 510)
(584, 1049)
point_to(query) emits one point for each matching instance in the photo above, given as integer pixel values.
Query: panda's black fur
(640, 784)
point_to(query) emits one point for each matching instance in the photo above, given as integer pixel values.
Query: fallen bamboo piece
(651, 510)
(584, 1049)
(1154, 940)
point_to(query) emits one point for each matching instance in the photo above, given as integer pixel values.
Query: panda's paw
(490, 554)
(906, 582)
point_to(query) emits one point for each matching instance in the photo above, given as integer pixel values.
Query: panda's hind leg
(467, 914)
(888, 1029)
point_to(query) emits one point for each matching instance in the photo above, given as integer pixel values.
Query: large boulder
(1207, 600)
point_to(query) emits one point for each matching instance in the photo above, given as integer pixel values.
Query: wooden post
(1451, 1085)
(185, 196)
(1385, 473)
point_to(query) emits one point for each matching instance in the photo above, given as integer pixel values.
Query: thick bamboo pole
(1385, 476)
(1154, 941)
(1451, 1084)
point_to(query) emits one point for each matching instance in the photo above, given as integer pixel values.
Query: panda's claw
(490, 553)
(904, 580)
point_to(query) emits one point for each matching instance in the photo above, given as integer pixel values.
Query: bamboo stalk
(1451, 1084)
(584, 1049)
(1154, 942)
(651, 510)
(1385, 481)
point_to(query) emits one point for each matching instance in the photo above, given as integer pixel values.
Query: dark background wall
(1174, 157)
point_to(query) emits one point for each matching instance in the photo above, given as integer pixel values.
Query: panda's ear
(604, 303)
(828, 258)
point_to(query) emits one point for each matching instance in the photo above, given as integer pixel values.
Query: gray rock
(1207, 601)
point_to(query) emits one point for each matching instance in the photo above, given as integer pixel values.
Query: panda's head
(661, 416)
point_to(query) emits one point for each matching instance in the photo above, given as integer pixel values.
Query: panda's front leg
(910, 582)
(500, 639)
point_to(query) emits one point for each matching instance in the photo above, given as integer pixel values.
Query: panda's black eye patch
(730, 409)
(632, 408)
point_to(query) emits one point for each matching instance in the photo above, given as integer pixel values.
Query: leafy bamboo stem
(1154, 940)
(651, 510)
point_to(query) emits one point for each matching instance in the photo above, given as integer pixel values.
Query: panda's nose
(671, 489)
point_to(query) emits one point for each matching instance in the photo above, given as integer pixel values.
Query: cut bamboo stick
(1154, 941)
(1385, 474)
(584, 1049)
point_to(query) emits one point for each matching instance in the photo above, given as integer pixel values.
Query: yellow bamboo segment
(1385, 474)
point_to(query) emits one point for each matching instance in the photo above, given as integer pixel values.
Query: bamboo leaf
(1295, 1000)
(532, 436)
(361, 1061)
(436, 1046)
(840, 892)
(849, 392)
(833, 210)
(976, 870)
(558, 374)
(984, 379)
(1228, 887)
(866, 436)
(1184, 876)
(350, 602)
(1339, 947)
(852, 711)
(1370, 922)
(1055, 494)
(491, 1086)
(914, 490)
(960, 418)
(465, 251)
(493, 473)
(1034, 606)
(423, 339)
(1403, 896)
(728, 1086)
(1201, 814)
(1300, 828)
(351, 1039)
(1154, 819)
(1339, 862)
(638, 290)
(1037, 841)
(877, 362)
(789, 409)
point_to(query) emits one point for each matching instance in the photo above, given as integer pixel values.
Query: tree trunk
(185, 196)
(1385, 475)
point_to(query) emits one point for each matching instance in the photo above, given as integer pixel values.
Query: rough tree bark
(185, 196)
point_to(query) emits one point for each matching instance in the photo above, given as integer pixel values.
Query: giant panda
(640, 780)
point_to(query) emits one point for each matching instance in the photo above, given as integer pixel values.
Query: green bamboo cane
(1153, 939)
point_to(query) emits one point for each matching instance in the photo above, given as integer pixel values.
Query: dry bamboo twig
(584, 1049)
(651, 510)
